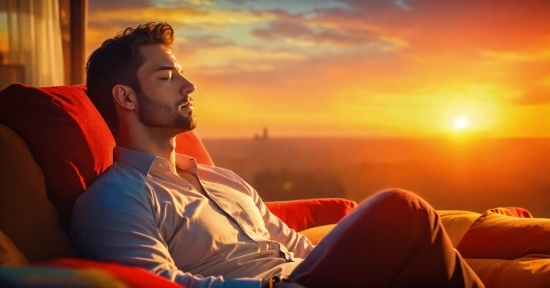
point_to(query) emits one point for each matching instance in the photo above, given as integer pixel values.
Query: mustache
(184, 101)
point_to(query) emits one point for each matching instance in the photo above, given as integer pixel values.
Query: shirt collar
(144, 162)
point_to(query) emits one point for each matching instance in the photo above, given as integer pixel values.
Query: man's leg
(393, 239)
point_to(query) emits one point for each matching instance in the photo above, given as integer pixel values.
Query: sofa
(54, 143)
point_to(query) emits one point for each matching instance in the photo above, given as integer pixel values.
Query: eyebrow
(164, 68)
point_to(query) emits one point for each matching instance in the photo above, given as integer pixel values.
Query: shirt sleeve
(115, 222)
(296, 243)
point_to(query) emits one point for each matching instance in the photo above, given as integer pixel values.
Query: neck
(153, 141)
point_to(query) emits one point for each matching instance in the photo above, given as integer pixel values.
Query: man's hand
(280, 282)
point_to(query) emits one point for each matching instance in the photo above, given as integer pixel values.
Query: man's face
(164, 99)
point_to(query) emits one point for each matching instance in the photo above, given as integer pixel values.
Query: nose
(187, 87)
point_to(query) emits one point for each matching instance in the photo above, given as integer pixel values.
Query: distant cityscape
(476, 176)
(263, 136)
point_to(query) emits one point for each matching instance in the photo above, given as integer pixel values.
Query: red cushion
(131, 276)
(512, 211)
(308, 213)
(67, 136)
(189, 144)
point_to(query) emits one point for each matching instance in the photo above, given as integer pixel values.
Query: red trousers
(393, 239)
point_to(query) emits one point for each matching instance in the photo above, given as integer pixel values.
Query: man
(203, 226)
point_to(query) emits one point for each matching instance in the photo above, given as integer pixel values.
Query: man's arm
(114, 221)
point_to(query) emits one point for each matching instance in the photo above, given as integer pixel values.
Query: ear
(124, 97)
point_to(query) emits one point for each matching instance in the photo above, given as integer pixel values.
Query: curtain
(34, 40)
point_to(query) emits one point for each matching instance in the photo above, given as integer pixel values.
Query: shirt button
(160, 164)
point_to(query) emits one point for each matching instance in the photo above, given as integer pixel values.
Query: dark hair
(117, 61)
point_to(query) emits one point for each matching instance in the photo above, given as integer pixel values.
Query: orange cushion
(26, 214)
(9, 254)
(532, 271)
(498, 236)
(303, 214)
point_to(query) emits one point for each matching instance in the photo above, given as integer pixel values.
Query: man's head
(119, 63)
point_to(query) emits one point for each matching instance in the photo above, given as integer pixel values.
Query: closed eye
(167, 76)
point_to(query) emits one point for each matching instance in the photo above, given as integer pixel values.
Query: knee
(400, 205)
(394, 198)
(396, 194)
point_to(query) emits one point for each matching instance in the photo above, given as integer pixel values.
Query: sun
(461, 123)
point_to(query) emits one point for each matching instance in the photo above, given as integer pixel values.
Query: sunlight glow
(461, 123)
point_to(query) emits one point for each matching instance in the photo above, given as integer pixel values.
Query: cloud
(192, 2)
(536, 96)
(107, 22)
(451, 27)
(523, 72)
(535, 87)
(518, 56)
(283, 30)
(181, 15)
(98, 5)
(327, 27)
(240, 2)
(212, 55)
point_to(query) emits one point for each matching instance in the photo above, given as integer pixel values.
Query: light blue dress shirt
(140, 213)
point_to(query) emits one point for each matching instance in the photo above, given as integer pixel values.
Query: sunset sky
(355, 68)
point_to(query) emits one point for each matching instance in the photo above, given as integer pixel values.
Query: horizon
(445, 137)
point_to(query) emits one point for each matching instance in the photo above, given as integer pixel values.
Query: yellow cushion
(315, 234)
(26, 214)
(457, 222)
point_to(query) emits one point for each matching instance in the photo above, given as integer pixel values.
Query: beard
(155, 114)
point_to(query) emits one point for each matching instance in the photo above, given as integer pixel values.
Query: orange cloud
(179, 16)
